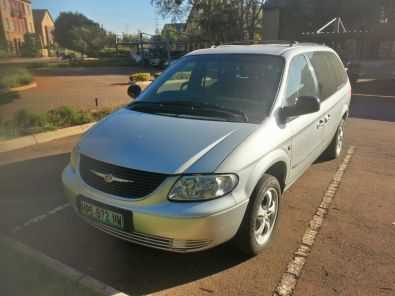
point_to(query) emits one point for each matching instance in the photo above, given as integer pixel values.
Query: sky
(118, 16)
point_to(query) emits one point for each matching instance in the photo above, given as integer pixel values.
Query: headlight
(75, 158)
(202, 187)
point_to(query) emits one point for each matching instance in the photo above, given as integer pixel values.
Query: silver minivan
(206, 152)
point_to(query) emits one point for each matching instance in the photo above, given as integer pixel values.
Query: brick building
(44, 26)
(16, 18)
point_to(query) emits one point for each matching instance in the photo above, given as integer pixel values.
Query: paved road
(75, 87)
(353, 254)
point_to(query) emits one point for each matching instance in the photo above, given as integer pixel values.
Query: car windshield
(228, 87)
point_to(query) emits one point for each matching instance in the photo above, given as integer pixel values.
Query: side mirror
(304, 105)
(134, 91)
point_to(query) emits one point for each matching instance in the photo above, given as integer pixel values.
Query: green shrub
(25, 122)
(66, 116)
(140, 77)
(13, 77)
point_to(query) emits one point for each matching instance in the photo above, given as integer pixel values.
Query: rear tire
(335, 148)
(260, 219)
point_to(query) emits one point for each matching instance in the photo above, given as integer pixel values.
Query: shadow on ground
(33, 187)
(29, 188)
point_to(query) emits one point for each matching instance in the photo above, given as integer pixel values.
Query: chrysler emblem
(109, 178)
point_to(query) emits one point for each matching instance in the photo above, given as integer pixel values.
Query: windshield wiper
(195, 105)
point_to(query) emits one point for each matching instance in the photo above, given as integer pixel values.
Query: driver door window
(300, 81)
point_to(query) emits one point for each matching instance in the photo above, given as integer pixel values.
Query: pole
(142, 46)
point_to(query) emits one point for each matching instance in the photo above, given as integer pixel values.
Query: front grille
(141, 183)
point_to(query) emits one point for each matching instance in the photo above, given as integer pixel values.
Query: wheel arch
(276, 164)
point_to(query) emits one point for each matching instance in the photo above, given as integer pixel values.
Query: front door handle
(321, 123)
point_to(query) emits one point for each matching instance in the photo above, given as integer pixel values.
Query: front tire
(261, 217)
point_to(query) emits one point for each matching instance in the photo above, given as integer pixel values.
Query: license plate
(101, 214)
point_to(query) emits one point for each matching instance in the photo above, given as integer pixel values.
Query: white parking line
(40, 218)
(289, 279)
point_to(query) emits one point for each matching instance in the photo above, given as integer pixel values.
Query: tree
(30, 47)
(176, 9)
(218, 20)
(77, 32)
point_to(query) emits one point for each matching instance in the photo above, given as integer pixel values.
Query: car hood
(162, 144)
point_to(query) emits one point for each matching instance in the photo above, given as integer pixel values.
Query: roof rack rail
(289, 42)
(254, 42)
(247, 42)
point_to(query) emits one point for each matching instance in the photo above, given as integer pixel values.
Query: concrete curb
(22, 142)
(19, 88)
(24, 87)
(67, 271)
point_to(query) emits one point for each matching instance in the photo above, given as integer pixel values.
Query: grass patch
(8, 97)
(26, 123)
(22, 275)
(14, 77)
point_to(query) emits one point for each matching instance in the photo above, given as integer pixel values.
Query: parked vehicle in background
(205, 154)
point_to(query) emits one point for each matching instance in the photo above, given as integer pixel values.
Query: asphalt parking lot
(353, 255)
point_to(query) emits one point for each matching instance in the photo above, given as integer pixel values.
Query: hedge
(140, 77)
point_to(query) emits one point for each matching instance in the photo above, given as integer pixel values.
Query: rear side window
(300, 80)
(338, 69)
(327, 82)
(330, 72)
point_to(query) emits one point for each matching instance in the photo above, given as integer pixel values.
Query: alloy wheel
(266, 216)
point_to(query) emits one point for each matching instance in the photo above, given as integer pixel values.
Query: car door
(306, 129)
(332, 80)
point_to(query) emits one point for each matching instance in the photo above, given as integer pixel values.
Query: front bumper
(161, 224)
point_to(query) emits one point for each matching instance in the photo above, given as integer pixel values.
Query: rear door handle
(328, 117)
